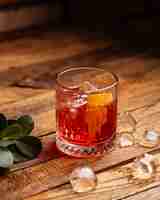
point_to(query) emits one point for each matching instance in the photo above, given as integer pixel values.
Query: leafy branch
(16, 143)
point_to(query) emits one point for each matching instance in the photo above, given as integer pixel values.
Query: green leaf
(6, 158)
(18, 157)
(12, 121)
(6, 143)
(3, 122)
(12, 132)
(27, 123)
(29, 146)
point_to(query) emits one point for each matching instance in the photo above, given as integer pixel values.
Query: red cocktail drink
(86, 111)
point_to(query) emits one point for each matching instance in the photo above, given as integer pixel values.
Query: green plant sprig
(16, 143)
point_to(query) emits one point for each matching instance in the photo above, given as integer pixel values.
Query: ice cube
(126, 140)
(152, 136)
(87, 87)
(144, 167)
(83, 179)
(149, 139)
(102, 80)
(78, 101)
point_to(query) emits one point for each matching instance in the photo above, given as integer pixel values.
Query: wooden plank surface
(139, 92)
(136, 73)
(24, 16)
(40, 47)
(53, 173)
(39, 103)
(15, 57)
(153, 194)
(114, 184)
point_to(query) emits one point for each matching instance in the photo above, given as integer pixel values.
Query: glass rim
(59, 74)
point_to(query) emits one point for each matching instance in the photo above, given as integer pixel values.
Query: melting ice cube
(126, 140)
(144, 167)
(149, 139)
(83, 179)
(87, 87)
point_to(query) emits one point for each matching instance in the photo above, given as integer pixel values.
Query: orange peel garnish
(100, 99)
(96, 113)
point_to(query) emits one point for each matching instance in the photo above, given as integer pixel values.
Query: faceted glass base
(82, 151)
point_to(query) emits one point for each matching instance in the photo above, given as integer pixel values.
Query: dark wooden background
(133, 23)
(130, 24)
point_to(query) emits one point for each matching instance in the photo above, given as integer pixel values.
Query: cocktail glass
(86, 111)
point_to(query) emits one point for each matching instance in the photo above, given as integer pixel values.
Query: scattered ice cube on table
(149, 139)
(148, 158)
(144, 167)
(126, 140)
(83, 179)
(152, 136)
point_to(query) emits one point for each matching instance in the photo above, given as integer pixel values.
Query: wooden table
(27, 78)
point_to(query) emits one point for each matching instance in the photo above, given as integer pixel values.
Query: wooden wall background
(133, 22)
(21, 14)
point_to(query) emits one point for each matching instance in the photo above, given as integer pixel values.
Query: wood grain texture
(25, 16)
(41, 177)
(39, 103)
(134, 92)
(44, 176)
(116, 183)
(139, 86)
(15, 54)
(152, 194)
(139, 92)
(40, 47)
(136, 74)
